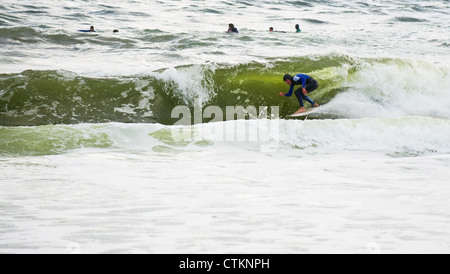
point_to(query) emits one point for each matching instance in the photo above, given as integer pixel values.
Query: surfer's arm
(291, 89)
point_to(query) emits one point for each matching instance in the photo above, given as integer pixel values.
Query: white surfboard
(308, 111)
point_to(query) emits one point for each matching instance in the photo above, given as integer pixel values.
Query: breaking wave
(349, 88)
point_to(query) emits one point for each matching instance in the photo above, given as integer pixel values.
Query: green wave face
(59, 97)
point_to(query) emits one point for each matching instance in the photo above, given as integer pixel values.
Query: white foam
(145, 196)
(189, 83)
(394, 88)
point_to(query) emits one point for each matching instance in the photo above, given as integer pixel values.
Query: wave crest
(349, 88)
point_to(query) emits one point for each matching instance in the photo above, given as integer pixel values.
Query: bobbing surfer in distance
(232, 29)
(91, 29)
(308, 83)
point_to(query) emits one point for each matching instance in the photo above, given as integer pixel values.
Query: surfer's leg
(299, 95)
(311, 86)
(308, 100)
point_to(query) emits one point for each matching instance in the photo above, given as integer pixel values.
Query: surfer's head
(288, 79)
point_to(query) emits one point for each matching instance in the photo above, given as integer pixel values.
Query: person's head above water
(232, 28)
(287, 78)
(91, 28)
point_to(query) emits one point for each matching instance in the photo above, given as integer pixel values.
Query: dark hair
(297, 26)
(286, 77)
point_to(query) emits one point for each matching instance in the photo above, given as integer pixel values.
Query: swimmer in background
(297, 29)
(232, 29)
(91, 29)
(271, 30)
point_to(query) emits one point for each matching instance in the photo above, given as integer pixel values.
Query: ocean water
(170, 137)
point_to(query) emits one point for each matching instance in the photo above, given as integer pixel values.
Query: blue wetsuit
(307, 82)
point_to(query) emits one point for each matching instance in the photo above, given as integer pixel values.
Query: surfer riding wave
(308, 83)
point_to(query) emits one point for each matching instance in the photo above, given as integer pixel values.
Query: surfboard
(308, 111)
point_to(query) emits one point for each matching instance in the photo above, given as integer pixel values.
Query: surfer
(297, 28)
(91, 29)
(232, 29)
(308, 83)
